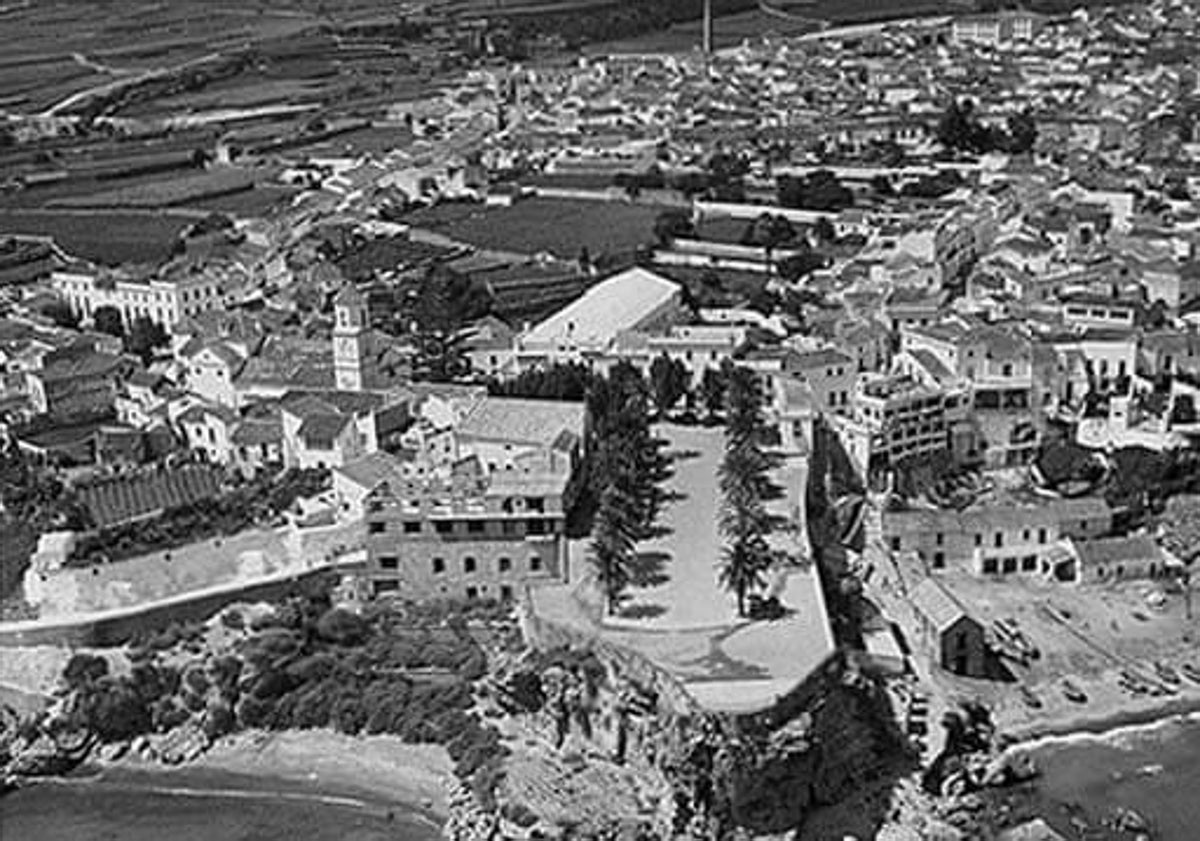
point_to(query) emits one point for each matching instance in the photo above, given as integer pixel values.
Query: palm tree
(744, 484)
(744, 562)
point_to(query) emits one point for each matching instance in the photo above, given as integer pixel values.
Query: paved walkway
(682, 566)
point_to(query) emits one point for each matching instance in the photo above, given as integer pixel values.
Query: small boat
(1072, 692)
(1167, 674)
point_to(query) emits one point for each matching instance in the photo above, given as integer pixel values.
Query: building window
(444, 527)
(1029, 563)
(412, 527)
(1025, 535)
(535, 563)
(475, 526)
(505, 564)
(978, 539)
(535, 503)
(439, 566)
(989, 566)
(941, 539)
(376, 527)
(1010, 565)
(1041, 535)
(535, 527)
(472, 593)
(895, 544)
(468, 564)
(389, 562)
(939, 560)
(506, 593)
(999, 541)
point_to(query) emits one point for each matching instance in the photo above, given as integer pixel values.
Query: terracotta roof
(128, 498)
(538, 422)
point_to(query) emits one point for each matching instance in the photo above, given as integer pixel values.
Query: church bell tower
(350, 339)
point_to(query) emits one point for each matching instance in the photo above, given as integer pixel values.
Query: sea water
(200, 806)
(1152, 769)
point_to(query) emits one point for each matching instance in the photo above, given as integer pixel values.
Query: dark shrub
(342, 627)
(84, 670)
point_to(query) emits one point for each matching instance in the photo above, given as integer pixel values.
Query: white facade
(165, 302)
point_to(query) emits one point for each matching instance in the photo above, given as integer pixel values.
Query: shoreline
(371, 773)
(1082, 725)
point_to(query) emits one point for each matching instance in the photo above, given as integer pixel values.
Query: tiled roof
(933, 601)
(932, 365)
(128, 498)
(254, 432)
(523, 421)
(322, 429)
(1116, 550)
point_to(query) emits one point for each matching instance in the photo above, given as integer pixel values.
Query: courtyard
(681, 618)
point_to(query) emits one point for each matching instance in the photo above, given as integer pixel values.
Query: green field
(167, 191)
(556, 226)
(106, 237)
(258, 201)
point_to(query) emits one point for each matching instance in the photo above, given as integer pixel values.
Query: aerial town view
(599, 420)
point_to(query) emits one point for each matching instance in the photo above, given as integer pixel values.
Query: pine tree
(614, 537)
(712, 391)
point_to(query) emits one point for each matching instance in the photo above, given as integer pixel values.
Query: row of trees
(744, 484)
(142, 338)
(628, 466)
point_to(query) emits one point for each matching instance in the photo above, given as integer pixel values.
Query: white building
(164, 301)
(586, 329)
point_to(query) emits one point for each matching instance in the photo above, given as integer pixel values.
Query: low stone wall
(117, 628)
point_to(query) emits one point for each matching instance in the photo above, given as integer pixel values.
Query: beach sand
(383, 767)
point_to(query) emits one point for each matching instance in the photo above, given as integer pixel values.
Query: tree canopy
(744, 483)
(107, 319)
(819, 190)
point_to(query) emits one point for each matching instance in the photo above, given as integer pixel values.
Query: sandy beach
(382, 767)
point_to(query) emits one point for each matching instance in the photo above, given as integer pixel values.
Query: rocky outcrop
(762, 773)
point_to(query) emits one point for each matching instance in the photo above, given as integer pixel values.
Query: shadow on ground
(642, 611)
(648, 569)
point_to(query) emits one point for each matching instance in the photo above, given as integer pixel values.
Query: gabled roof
(538, 422)
(821, 358)
(1116, 550)
(371, 470)
(932, 365)
(254, 432)
(937, 604)
(200, 412)
(322, 428)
